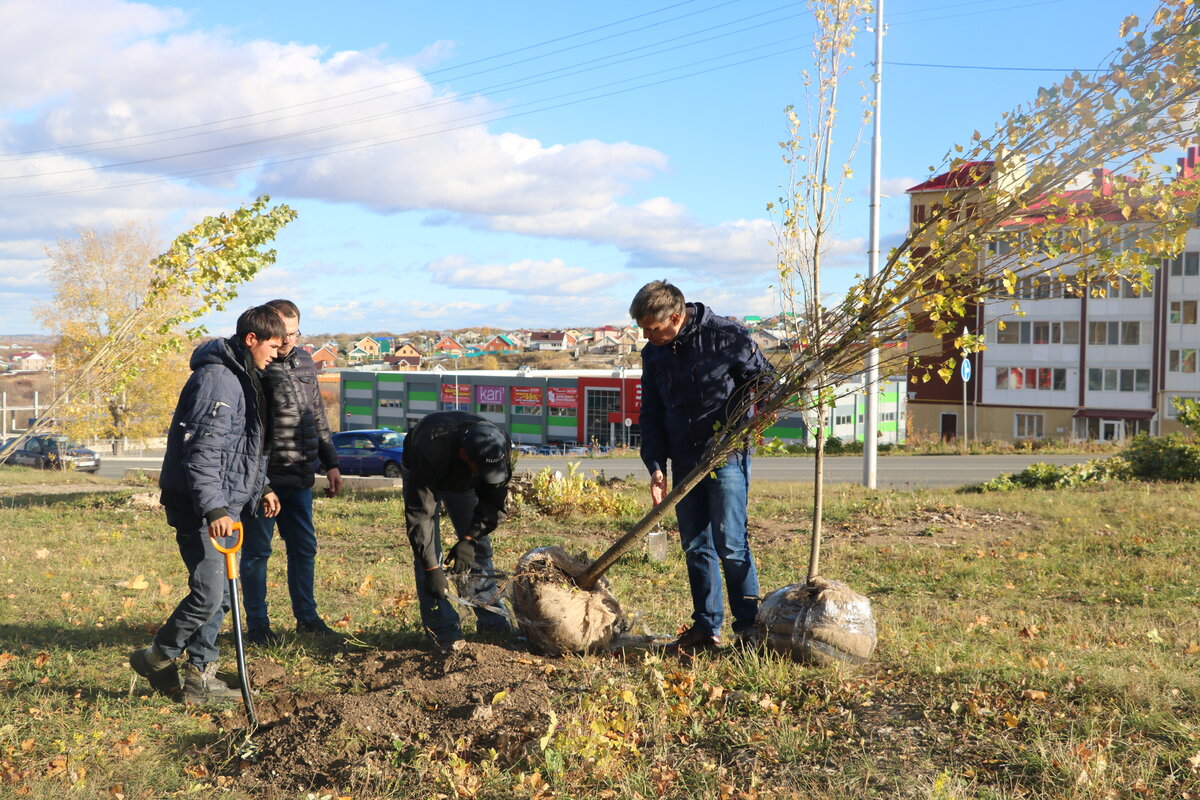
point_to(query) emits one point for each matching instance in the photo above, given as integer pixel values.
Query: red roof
(969, 173)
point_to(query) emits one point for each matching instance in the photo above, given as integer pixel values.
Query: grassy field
(1031, 645)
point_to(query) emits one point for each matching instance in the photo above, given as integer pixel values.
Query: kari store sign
(491, 395)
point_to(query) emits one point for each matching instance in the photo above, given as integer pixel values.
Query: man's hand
(462, 556)
(658, 486)
(436, 583)
(334, 478)
(270, 505)
(221, 528)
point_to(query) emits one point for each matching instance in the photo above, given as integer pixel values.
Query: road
(895, 472)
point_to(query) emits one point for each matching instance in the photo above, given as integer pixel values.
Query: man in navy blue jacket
(696, 367)
(215, 466)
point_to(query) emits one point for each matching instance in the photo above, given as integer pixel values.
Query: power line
(422, 79)
(1065, 70)
(559, 73)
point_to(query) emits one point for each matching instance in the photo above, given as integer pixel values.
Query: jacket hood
(219, 351)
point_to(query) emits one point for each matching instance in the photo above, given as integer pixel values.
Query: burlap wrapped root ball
(822, 622)
(554, 614)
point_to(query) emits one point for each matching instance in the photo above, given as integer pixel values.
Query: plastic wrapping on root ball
(824, 622)
(554, 614)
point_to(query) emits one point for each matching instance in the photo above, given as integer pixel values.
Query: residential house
(449, 345)
(32, 361)
(407, 349)
(551, 340)
(386, 345)
(501, 343)
(325, 356)
(369, 346)
(405, 362)
(769, 339)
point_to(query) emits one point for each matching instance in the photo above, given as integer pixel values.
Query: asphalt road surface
(896, 472)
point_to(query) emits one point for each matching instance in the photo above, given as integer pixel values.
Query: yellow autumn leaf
(138, 583)
(498, 696)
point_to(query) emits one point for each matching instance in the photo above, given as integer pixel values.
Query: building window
(918, 215)
(1181, 360)
(1172, 413)
(842, 419)
(1028, 426)
(1119, 333)
(491, 408)
(1186, 264)
(561, 412)
(1044, 378)
(887, 416)
(529, 411)
(1183, 312)
(1118, 380)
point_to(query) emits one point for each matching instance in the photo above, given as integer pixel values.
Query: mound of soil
(395, 706)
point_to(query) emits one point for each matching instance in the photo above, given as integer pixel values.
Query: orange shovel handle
(231, 567)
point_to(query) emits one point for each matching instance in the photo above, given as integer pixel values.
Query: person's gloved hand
(462, 556)
(436, 583)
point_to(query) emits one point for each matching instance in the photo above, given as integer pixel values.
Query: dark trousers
(194, 624)
(439, 617)
(295, 522)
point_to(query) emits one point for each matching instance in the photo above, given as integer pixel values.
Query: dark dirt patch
(936, 525)
(392, 707)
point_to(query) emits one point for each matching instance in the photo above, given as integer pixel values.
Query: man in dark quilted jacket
(696, 369)
(300, 442)
(214, 471)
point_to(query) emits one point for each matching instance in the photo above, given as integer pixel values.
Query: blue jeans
(439, 617)
(296, 529)
(712, 530)
(196, 621)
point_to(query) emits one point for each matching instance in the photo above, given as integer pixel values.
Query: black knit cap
(488, 448)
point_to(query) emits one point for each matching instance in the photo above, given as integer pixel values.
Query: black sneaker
(694, 640)
(317, 627)
(264, 637)
(164, 680)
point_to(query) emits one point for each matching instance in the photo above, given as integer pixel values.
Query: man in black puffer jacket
(460, 460)
(299, 442)
(213, 473)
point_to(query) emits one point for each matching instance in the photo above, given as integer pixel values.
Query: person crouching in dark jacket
(460, 460)
(214, 467)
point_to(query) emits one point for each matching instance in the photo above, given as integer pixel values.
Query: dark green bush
(1163, 458)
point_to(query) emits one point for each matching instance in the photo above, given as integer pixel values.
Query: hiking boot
(744, 640)
(157, 668)
(318, 628)
(694, 640)
(262, 636)
(201, 685)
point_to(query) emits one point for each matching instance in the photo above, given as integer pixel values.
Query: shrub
(558, 495)
(1052, 476)
(1163, 458)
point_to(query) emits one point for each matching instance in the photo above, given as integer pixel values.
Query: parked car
(53, 451)
(526, 449)
(372, 452)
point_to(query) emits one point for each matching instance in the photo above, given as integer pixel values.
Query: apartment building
(1080, 367)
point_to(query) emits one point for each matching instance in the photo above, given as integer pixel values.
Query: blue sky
(526, 164)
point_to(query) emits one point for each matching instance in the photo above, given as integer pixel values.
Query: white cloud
(896, 187)
(528, 276)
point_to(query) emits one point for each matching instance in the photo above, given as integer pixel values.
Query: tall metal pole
(871, 426)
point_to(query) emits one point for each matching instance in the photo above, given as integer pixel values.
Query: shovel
(231, 571)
